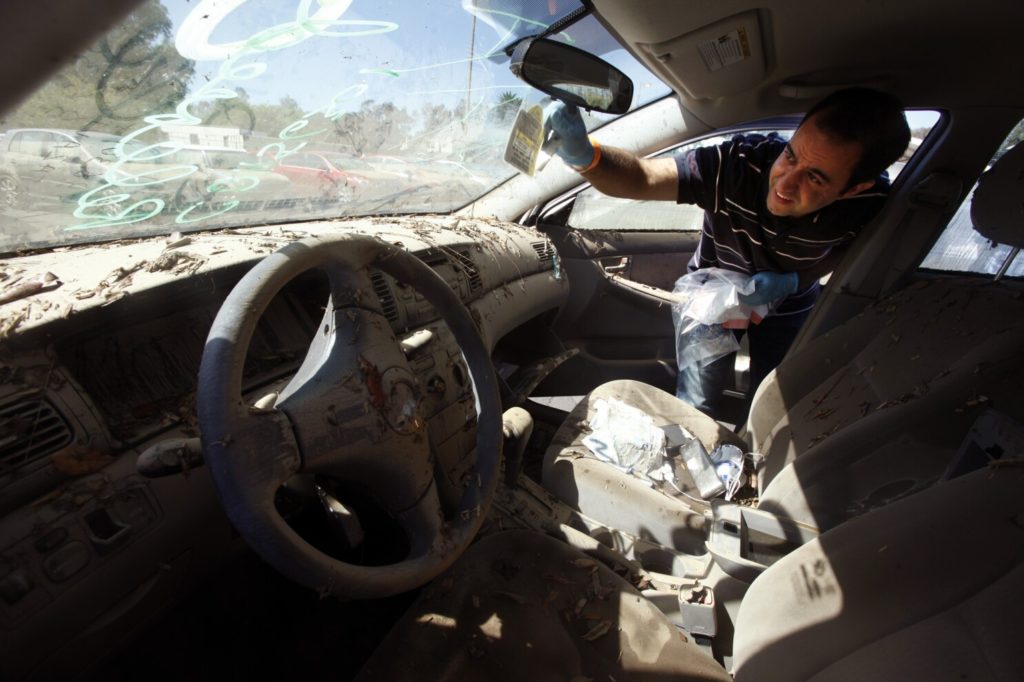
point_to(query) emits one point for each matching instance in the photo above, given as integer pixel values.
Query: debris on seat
(626, 438)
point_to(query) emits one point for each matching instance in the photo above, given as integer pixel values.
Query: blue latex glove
(575, 148)
(770, 287)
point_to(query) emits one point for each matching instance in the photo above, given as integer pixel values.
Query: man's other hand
(575, 148)
(770, 287)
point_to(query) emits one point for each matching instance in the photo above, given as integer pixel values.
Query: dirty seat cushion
(605, 494)
(928, 588)
(524, 606)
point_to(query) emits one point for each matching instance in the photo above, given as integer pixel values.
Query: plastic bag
(728, 461)
(706, 308)
(625, 437)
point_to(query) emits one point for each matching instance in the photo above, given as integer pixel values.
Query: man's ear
(858, 188)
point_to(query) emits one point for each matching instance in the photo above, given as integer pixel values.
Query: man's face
(812, 172)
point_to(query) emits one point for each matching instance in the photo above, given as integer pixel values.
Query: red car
(314, 172)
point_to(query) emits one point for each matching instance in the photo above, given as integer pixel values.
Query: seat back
(928, 588)
(877, 408)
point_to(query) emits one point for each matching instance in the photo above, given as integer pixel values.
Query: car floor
(251, 623)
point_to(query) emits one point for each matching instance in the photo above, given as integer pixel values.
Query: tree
(506, 108)
(375, 127)
(130, 73)
(435, 116)
(229, 113)
(271, 119)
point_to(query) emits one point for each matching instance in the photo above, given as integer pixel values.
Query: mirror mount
(571, 75)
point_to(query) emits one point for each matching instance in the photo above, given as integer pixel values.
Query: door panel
(618, 315)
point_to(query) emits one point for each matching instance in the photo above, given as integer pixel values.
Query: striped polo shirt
(730, 182)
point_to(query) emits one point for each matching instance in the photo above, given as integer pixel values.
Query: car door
(62, 172)
(28, 152)
(622, 258)
(306, 171)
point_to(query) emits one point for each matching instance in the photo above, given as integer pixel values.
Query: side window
(300, 161)
(49, 143)
(33, 143)
(18, 143)
(960, 249)
(314, 162)
(65, 148)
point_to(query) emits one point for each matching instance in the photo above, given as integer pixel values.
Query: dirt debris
(177, 263)
(79, 460)
(19, 289)
(599, 630)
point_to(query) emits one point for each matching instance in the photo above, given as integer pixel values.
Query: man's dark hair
(871, 118)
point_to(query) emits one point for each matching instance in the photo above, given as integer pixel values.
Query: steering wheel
(351, 412)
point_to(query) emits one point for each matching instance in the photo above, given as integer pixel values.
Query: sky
(420, 55)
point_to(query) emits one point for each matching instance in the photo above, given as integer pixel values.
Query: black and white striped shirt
(730, 182)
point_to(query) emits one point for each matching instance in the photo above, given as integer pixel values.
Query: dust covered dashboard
(100, 363)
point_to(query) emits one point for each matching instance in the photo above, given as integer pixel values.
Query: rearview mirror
(571, 75)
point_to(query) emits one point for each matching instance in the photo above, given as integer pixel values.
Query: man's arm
(613, 171)
(619, 173)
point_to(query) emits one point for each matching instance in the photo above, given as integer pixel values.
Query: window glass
(593, 210)
(31, 142)
(961, 249)
(306, 161)
(104, 147)
(65, 148)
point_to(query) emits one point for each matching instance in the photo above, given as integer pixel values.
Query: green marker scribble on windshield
(97, 207)
(105, 203)
(183, 219)
(385, 72)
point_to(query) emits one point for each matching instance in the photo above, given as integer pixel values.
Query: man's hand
(575, 148)
(770, 287)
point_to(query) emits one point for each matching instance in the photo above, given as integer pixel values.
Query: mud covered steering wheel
(351, 412)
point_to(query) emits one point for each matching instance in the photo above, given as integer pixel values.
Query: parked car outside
(235, 175)
(39, 166)
(317, 174)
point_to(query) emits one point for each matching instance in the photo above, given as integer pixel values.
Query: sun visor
(716, 60)
(997, 209)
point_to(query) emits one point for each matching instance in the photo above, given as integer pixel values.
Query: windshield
(196, 115)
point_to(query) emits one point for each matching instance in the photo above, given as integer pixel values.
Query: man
(779, 211)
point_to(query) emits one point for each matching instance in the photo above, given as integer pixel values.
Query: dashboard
(101, 368)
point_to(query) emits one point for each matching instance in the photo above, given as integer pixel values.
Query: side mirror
(571, 75)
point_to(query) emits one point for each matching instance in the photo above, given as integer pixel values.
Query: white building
(204, 136)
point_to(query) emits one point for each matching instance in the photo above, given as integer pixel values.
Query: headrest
(997, 210)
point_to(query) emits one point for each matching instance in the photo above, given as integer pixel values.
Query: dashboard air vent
(469, 267)
(387, 298)
(545, 251)
(30, 429)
